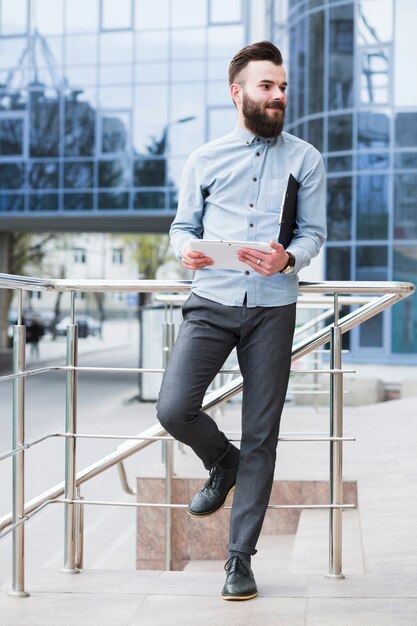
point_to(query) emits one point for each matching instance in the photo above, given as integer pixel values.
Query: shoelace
(211, 483)
(236, 565)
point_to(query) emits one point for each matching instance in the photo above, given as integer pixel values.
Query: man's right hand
(195, 260)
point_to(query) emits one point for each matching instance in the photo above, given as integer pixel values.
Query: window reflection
(404, 314)
(339, 208)
(189, 13)
(114, 132)
(374, 76)
(339, 164)
(11, 136)
(406, 130)
(375, 20)
(79, 127)
(113, 173)
(406, 160)
(116, 15)
(372, 207)
(44, 124)
(153, 14)
(338, 263)
(13, 17)
(221, 121)
(48, 19)
(225, 12)
(113, 201)
(152, 46)
(341, 58)
(116, 47)
(405, 206)
(44, 175)
(373, 130)
(371, 263)
(188, 44)
(43, 202)
(11, 202)
(80, 49)
(149, 200)
(12, 175)
(315, 133)
(78, 174)
(78, 201)
(373, 161)
(405, 87)
(224, 41)
(81, 15)
(340, 132)
(149, 173)
(316, 56)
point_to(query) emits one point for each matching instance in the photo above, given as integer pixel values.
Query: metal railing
(373, 297)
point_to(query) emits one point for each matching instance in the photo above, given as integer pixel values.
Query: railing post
(79, 552)
(19, 365)
(168, 334)
(336, 448)
(70, 447)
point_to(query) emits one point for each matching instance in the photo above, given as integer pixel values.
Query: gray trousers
(263, 339)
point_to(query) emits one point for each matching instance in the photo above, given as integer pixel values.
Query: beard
(258, 121)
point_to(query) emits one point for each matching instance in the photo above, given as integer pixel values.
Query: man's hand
(194, 260)
(265, 263)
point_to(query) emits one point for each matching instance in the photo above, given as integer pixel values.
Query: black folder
(289, 212)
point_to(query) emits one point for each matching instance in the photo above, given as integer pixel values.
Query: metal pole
(18, 464)
(70, 447)
(79, 553)
(336, 448)
(168, 333)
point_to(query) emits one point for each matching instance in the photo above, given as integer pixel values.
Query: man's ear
(235, 92)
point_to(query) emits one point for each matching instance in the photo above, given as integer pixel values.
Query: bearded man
(233, 189)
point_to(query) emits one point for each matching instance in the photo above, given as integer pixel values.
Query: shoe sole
(249, 597)
(215, 510)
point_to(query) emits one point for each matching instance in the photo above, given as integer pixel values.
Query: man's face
(263, 99)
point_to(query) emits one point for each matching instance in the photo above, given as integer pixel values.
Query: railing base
(335, 576)
(74, 570)
(18, 594)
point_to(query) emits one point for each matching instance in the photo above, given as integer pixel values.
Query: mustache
(276, 105)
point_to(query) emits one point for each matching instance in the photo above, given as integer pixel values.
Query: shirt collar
(246, 137)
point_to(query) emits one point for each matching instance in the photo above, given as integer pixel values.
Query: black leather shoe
(240, 582)
(214, 494)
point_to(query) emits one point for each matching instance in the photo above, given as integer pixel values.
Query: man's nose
(278, 93)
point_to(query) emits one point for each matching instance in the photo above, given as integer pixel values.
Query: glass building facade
(102, 101)
(353, 94)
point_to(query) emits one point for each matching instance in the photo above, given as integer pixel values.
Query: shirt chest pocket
(274, 194)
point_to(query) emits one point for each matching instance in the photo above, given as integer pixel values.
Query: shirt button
(257, 139)
(251, 225)
(258, 154)
(251, 205)
(247, 143)
(247, 273)
(254, 180)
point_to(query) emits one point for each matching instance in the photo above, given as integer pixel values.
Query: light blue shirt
(232, 189)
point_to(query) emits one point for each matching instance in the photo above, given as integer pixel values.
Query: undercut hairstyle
(261, 51)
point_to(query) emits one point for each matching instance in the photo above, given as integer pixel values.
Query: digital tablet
(224, 253)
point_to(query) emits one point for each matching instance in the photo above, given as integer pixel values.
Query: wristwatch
(288, 268)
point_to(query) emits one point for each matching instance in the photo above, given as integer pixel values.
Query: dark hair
(261, 51)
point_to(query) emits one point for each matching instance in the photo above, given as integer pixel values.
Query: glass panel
(80, 76)
(81, 15)
(80, 121)
(152, 46)
(218, 93)
(11, 136)
(405, 88)
(340, 133)
(80, 49)
(225, 41)
(44, 125)
(116, 15)
(338, 263)
(339, 208)
(175, 167)
(371, 333)
(43, 202)
(405, 206)
(292, 114)
(406, 130)
(375, 21)
(298, 93)
(150, 116)
(149, 200)
(188, 70)
(114, 173)
(78, 174)
(151, 73)
(187, 103)
(188, 44)
(315, 133)
(43, 176)
(406, 160)
(48, 17)
(13, 17)
(149, 173)
(316, 62)
(11, 52)
(373, 161)
(12, 175)
(373, 130)
(339, 164)
(221, 11)
(115, 97)
(371, 263)
(113, 201)
(189, 13)
(153, 14)
(78, 201)
(404, 314)
(341, 58)
(374, 83)
(11, 202)
(115, 74)
(116, 47)
(218, 69)
(220, 122)
(372, 203)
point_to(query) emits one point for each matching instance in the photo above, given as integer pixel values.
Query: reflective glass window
(13, 17)
(188, 44)
(80, 49)
(188, 71)
(225, 41)
(292, 106)
(116, 47)
(340, 133)
(405, 206)
(114, 173)
(12, 175)
(218, 69)
(218, 93)
(405, 87)
(187, 103)
(152, 46)
(149, 200)
(11, 55)
(119, 97)
(150, 116)
(341, 57)
(149, 173)
(373, 130)
(43, 202)
(113, 201)
(115, 74)
(338, 263)
(373, 161)
(339, 208)
(220, 121)
(151, 72)
(78, 201)
(406, 130)
(221, 11)
(315, 133)
(153, 14)
(44, 175)
(316, 62)
(48, 17)
(371, 263)
(339, 163)
(187, 13)
(375, 21)
(78, 174)
(406, 160)
(81, 16)
(11, 136)
(372, 207)
(404, 313)
(12, 202)
(374, 79)
(116, 15)
(79, 128)
(175, 167)
(81, 76)
(44, 125)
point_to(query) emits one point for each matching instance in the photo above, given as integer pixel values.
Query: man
(232, 189)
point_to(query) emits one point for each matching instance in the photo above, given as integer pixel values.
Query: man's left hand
(265, 263)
